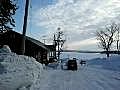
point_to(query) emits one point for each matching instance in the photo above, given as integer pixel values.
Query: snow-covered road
(18, 72)
(83, 79)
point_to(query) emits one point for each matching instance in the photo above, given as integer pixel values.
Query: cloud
(78, 18)
(83, 44)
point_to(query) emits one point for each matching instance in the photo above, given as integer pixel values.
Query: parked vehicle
(82, 62)
(72, 64)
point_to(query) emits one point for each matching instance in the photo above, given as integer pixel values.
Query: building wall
(13, 40)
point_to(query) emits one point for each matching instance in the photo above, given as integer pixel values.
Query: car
(82, 62)
(72, 65)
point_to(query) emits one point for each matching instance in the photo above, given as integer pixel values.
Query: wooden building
(52, 53)
(33, 47)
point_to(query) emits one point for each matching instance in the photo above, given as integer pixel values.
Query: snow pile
(17, 72)
(111, 63)
(5, 49)
(52, 66)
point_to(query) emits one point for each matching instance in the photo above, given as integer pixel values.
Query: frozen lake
(85, 56)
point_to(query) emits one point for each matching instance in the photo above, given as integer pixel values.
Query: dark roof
(37, 42)
(31, 39)
(51, 47)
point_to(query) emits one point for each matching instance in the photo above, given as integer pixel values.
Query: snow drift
(111, 63)
(17, 72)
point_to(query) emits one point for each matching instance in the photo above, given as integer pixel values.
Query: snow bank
(52, 66)
(17, 72)
(111, 63)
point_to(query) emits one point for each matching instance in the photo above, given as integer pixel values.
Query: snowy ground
(19, 72)
(84, 79)
(88, 77)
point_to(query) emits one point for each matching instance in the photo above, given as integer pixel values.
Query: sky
(78, 19)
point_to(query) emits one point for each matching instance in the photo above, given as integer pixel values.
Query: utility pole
(44, 40)
(55, 44)
(24, 28)
(58, 40)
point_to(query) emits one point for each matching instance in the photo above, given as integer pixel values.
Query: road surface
(84, 79)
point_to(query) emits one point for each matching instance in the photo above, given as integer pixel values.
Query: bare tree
(106, 37)
(59, 41)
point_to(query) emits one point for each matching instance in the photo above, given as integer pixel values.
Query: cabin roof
(31, 39)
(37, 42)
(51, 47)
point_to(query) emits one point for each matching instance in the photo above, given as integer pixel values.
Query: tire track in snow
(83, 79)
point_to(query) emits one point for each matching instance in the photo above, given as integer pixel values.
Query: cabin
(52, 53)
(33, 48)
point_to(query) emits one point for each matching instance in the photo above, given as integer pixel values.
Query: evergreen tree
(7, 11)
